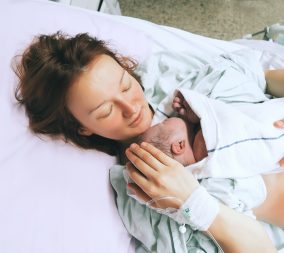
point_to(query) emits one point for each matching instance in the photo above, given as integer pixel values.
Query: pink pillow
(54, 197)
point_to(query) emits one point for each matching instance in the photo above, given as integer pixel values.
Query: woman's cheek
(114, 123)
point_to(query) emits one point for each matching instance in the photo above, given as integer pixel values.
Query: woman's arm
(237, 233)
(156, 175)
(275, 82)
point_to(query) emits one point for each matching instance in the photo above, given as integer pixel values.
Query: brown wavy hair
(46, 70)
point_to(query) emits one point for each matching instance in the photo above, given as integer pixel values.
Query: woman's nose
(128, 109)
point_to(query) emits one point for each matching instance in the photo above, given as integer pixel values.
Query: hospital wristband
(199, 210)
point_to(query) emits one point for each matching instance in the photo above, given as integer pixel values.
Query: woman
(77, 88)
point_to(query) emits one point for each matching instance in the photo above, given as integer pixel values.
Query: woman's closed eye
(126, 84)
(127, 87)
(105, 112)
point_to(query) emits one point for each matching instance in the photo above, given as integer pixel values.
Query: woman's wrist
(187, 193)
(199, 210)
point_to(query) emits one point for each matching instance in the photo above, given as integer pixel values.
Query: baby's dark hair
(159, 140)
(46, 70)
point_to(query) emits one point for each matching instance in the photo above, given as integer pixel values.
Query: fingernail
(133, 145)
(143, 144)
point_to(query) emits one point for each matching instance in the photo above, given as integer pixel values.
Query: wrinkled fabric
(232, 78)
(230, 132)
(155, 232)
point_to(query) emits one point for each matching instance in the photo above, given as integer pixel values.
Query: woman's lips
(137, 120)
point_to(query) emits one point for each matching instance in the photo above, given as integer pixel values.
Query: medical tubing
(171, 211)
(214, 240)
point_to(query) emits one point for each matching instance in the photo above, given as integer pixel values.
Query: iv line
(182, 228)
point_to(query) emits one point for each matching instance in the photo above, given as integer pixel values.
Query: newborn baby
(177, 138)
(180, 138)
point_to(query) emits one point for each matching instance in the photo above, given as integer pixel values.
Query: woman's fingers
(138, 177)
(143, 159)
(279, 123)
(158, 154)
(141, 195)
(165, 176)
(138, 192)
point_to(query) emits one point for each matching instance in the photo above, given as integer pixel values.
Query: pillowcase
(54, 196)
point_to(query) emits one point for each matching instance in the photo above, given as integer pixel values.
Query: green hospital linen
(156, 232)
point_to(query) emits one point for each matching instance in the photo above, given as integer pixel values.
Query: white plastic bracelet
(199, 210)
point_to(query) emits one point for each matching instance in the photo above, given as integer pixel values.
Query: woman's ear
(84, 131)
(178, 147)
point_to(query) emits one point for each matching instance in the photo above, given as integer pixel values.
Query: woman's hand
(280, 124)
(156, 175)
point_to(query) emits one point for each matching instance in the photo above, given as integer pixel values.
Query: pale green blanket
(155, 232)
(233, 78)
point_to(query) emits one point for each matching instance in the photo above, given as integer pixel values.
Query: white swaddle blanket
(240, 139)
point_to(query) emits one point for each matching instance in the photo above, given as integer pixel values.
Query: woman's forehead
(103, 70)
(96, 83)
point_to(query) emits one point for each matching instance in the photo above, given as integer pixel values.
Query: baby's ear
(178, 147)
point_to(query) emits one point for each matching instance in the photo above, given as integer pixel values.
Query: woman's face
(109, 102)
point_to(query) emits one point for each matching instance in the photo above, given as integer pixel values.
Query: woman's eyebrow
(97, 107)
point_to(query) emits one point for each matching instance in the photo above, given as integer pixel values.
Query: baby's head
(171, 137)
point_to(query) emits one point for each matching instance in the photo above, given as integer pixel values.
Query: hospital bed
(55, 197)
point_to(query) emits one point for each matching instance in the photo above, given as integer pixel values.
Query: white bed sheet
(55, 197)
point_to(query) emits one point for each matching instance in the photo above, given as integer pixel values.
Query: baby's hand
(181, 106)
